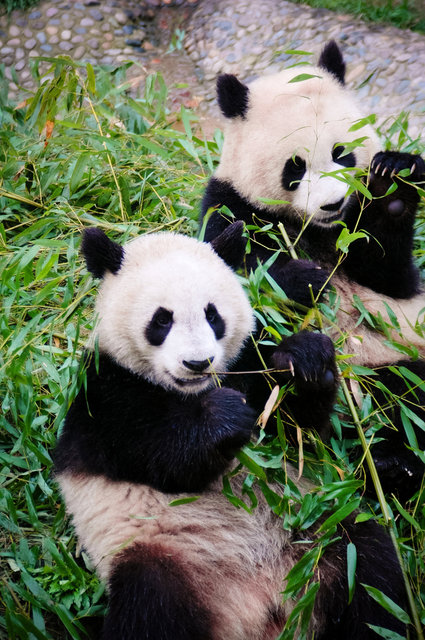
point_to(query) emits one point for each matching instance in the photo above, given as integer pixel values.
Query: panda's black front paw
(231, 419)
(402, 169)
(295, 278)
(307, 358)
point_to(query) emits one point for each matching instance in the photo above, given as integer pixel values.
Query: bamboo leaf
(78, 172)
(179, 501)
(351, 569)
(339, 515)
(303, 76)
(388, 604)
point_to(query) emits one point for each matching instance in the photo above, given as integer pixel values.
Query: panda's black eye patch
(344, 159)
(215, 320)
(159, 326)
(293, 173)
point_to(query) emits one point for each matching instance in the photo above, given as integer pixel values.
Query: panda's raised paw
(308, 358)
(402, 169)
(392, 163)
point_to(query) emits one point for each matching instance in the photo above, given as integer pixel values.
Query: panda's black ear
(230, 245)
(101, 254)
(331, 60)
(232, 96)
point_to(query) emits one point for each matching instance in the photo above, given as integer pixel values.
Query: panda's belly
(236, 560)
(363, 342)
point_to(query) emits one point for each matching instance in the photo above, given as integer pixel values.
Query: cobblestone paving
(109, 32)
(249, 38)
(246, 37)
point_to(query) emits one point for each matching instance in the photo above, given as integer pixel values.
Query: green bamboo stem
(16, 196)
(288, 243)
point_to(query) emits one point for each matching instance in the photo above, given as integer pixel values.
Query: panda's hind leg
(150, 597)
(377, 566)
(400, 468)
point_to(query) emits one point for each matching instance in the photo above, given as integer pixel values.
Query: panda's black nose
(198, 365)
(334, 206)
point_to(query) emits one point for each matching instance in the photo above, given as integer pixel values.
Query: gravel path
(249, 38)
(246, 37)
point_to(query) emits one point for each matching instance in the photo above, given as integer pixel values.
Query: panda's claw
(376, 168)
(413, 168)
(291, 368)
(384, 171)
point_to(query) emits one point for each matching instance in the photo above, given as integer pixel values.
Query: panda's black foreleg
(150, 598)
(308, 360)
(383, 259)
(301, 280)
(194, 438)
(377, 566)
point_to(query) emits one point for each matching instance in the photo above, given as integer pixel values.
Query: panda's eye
(159, 326)
(215, 320)
(293, 173)
(162, 317)
(340, 156)
(211, 313)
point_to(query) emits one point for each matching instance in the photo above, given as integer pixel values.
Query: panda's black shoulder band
(101, 254)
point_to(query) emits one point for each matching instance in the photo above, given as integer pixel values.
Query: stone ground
(246, 37)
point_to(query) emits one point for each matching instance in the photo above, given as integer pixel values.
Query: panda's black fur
(139, 436)
(378, 269)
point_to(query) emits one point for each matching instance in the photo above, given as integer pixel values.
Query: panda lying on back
(282, 139)
(152, 425)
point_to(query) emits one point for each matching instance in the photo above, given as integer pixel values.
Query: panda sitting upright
(152, 425)
(286, 137)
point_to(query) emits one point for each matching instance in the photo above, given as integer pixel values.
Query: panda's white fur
(365, 345)
(128, 299)
(306, 118)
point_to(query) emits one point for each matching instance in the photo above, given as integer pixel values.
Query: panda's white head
(169, 307)
(281, 136)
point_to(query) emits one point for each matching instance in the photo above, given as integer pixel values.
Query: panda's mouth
(190, 382)
(329, 219)
(334, 211)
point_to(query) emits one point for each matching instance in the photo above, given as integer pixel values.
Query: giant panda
(287, 137)
(151, 425)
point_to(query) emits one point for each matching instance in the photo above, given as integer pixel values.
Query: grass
(10, 5)
(404, 14)
(81, 152)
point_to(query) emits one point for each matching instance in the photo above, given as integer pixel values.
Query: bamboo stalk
(15, 196)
